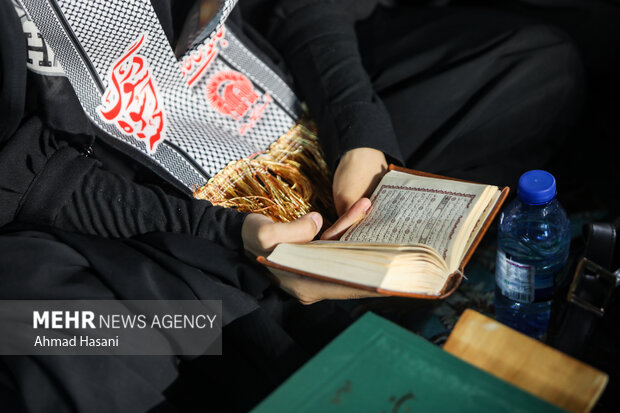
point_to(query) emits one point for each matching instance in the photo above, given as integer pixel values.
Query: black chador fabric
(474, 94)
(266, 333)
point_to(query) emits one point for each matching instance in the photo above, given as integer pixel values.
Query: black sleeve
(318, 41)
(46, 181)
(12, 71)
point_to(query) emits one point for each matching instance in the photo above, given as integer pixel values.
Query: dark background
(588, 167)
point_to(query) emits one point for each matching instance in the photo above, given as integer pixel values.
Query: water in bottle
(533, 242)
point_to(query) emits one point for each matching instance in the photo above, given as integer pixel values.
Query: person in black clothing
(474, 94)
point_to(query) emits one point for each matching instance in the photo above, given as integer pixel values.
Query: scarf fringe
(284, 183)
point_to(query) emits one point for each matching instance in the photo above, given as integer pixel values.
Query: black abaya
(474, 94)
(266, 334)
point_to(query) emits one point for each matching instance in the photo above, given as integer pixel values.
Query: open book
(414, 241)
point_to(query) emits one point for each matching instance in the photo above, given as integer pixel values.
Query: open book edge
(452, 283)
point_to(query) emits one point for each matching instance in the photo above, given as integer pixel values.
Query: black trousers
(473, 93)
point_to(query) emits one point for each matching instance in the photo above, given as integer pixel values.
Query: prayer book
(377, 366)
(415, 240)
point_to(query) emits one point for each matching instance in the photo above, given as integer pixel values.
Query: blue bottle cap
(536, 187)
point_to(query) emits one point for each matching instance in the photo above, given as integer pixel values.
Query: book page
(399, 248)
(483, 217)
(411, 209)
(413, 270)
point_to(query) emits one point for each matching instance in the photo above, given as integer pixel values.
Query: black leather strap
(575, 330)
(591, 289)
(600, 243)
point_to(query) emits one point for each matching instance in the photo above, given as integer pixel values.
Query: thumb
(352, 216)
(301, 230)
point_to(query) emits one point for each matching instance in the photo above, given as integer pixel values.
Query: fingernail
(318, 220)
(368, 207)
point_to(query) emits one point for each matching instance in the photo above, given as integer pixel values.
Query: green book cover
(377, 366)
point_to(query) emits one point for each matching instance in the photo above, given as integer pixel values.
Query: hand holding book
(260, 235)
(414, 241)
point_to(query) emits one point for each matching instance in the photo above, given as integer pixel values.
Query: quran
(415, 240)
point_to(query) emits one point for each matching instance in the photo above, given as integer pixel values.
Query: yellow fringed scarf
(285, 182)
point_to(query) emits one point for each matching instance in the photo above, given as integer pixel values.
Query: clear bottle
(533, 243)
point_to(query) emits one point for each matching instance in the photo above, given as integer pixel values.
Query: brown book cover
(452, 282)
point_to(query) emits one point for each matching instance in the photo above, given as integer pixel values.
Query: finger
(252, 231)
(301, 230)
(303, 290)
(309, 290)
(344, 204)
(352, 216)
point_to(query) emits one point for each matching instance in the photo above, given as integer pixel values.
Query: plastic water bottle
(533, 243)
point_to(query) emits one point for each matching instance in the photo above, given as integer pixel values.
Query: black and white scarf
(191, 116)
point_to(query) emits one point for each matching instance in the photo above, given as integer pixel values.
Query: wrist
(356, 176)
(365, 158)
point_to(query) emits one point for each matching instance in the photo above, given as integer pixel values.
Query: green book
(377, 366)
